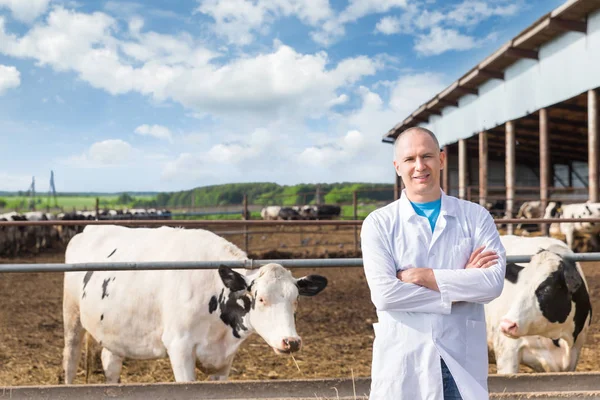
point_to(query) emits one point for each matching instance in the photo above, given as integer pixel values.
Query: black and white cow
(194, 317)
(270, 212)
(571, 229)
(541, 319)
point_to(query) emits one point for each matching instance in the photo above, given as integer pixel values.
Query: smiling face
(418, 161)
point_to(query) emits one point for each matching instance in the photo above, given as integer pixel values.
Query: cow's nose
(509, 327)
(292, 344)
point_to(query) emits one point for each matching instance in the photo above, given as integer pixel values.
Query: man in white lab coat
(431, 262)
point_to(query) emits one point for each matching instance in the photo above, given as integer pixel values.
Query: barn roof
(549, 64)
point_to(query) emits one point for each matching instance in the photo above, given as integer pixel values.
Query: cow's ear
(232, 280)
(572, 277)
(311, 285)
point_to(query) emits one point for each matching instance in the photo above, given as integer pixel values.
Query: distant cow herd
(324, 211)
(15, 240)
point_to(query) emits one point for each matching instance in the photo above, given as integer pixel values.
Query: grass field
(66, 202)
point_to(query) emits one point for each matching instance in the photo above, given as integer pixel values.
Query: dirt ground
(335, 325)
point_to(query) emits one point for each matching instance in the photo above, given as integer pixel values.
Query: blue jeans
(450, 389)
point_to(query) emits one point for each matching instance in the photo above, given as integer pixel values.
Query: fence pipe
(251, 223)
(246, 264)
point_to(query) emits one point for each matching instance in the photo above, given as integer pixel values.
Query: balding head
(409, 132)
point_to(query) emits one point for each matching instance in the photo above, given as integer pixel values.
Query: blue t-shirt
(429, 210)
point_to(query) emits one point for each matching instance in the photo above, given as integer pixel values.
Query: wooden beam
(569, 107)
(483, 168)
(453, 103)
(462, 168)
(420, 118)
(544, 164)
(569, 25)
(559, 121)
(433, 111)
(593, 145)
(510, 172)
(397, 186)
(467, 90)
(521, 53)
(445, 172)
(489, 73)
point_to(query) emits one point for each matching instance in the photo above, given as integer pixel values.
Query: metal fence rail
(246, 264)
(250, 223)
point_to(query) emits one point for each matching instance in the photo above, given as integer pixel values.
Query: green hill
(265, 193)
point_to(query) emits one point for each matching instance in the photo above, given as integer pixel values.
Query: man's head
(418, 161)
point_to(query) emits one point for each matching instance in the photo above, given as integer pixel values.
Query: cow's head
(266, 304)
(553, 210)
(543, 306)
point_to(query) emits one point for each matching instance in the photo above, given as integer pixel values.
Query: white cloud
(25, 10)
(235, 152)
(240, 20)
(107, 153)
(10, 78)
(280, 82)
(440, 40)
(361, 144)
(388, 25)
(438, 31)
(157, 131)
(359, 8)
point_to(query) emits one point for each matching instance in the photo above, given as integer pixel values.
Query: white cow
(191, 316)
(571, 229)
(270, 212)
(542, 317)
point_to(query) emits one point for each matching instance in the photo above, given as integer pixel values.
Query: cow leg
(74, 333)
(112, 365)
(506, 352)
(570, 237)
(223, 373)
(183, 360)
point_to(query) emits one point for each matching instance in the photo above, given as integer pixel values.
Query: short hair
(416, 129)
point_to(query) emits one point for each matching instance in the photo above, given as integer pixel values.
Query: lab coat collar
(448, 207)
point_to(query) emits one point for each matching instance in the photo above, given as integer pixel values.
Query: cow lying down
(194, 317)
(542, 317)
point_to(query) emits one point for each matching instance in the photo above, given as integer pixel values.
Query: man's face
(418, 162)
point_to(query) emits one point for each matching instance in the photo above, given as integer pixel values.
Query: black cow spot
(104, 287)
(113, 252)
(212, 305)
(86, 279)
(512, 272)
(102, 317)
(554, 298)
(583, 307)
(232, 313)
(556, 293)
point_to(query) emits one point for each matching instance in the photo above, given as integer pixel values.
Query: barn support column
(510, 173)
(544, 165)
(593, 145)
(397, 187)
(445, 171)
(483, 168)
(462, 168)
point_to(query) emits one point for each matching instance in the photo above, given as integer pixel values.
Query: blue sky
(170, 95)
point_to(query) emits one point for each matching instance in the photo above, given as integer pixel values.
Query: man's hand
(419, 276)
(481, 259)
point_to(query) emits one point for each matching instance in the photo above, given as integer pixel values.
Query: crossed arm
(432, 290)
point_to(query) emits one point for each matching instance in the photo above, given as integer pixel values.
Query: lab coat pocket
(477, 353)
(461, 252)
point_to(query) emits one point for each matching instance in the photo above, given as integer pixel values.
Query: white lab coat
(417, 325)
